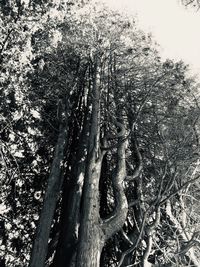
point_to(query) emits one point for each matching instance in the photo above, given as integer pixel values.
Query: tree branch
(116, 220)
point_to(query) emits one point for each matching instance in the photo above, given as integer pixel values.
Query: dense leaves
(52, 55)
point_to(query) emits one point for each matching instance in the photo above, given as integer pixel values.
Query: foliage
(48, 49)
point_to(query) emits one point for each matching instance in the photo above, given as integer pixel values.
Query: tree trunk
(40, 246)
(90, 234)
(91, 249)
(93, 231)
(70, 219)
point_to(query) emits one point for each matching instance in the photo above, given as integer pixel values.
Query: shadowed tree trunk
(40, 246)
(71, 210)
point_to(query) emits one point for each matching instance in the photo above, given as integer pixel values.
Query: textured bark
(90, 234)
(70, 220)
(115, 222)
(40, 246)
(135, 169)
(93, 231)
(71, 211)
(150, 233)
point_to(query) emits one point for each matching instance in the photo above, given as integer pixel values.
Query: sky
(175, 28)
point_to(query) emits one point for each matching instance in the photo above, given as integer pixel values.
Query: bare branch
(116, 220)
(125, 253)
(179, 189)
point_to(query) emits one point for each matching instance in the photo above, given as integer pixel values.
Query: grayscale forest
(99, 141)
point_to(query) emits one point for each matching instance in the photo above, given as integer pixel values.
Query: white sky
(175, 28)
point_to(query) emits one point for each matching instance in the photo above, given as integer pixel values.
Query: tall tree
(104, 144)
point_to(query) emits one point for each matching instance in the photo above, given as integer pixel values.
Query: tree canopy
(99, 142)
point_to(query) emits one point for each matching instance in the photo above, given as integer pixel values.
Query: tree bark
(70, 218)
(93, 231)
(40, 246)
(91, 234)
(116, 220)
(70, 221)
